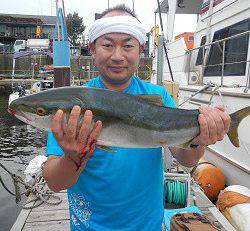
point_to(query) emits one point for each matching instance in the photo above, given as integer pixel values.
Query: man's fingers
(218, 122)
(226, 121)
(204, 132)
(216, 115)
(56, 125)
(72, 123)
(95, 133)
(212, 128)
(85, 128)
(220, 107)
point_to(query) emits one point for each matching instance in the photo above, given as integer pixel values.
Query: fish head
(38, 109)
(34, 111)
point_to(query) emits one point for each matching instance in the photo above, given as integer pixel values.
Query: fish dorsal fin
(154, 99)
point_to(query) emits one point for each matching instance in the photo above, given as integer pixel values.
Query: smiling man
(121, 190)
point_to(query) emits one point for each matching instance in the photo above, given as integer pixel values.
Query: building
(17, 26)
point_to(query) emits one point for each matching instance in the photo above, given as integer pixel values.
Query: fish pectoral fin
(154, 99)
(105, 148)
(185, 145)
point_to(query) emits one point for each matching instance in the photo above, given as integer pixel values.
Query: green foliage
(75, 27)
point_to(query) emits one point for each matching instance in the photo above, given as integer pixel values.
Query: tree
(75, 27)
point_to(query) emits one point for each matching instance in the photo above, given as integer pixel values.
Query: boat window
(199, 59)
(235, 51)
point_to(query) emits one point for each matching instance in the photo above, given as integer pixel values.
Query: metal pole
(160, 60)
(133, 6)
(13, 73)
(248, 79)
(223, 64)
(108, 4)
(203, 64)
(58, 27)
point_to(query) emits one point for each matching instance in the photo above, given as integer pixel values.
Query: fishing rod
(164, 44)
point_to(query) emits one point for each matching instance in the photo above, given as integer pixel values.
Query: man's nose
(117, 55)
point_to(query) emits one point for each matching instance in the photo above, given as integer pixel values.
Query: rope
(175, 192)
(201, 90)
(216, 89)
(39, 189)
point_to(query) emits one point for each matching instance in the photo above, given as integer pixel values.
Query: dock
(44, 217)
(56, 218)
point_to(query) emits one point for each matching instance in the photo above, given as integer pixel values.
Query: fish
(129, 121)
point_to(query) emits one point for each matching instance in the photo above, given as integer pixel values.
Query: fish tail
(236, 118)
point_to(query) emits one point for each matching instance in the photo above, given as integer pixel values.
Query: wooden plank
(22, 217)
(50, 225)
(63, 205)
(54, 215)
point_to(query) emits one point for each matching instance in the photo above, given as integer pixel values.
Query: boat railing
(205, 53)
(221, 9)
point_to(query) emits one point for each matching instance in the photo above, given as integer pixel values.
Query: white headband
(118, 24)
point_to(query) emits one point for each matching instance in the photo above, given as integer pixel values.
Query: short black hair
(121, 8)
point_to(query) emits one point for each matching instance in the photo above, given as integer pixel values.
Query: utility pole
(108, 4)
(133, 2)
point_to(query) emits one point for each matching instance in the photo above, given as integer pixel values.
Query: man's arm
(60, 173)
(78, 145)
(214, 124)
(187, 157)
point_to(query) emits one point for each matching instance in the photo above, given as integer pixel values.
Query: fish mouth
(11, 111)
(20, 115)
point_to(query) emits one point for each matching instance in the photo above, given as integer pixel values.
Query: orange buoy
(210, 178)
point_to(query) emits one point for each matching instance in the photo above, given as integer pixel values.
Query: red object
(188, 38)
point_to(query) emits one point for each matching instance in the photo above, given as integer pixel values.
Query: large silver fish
(138, 121)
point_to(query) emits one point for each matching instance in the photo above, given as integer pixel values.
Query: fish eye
(40, 111)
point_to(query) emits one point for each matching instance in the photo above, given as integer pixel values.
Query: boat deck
(56, 218)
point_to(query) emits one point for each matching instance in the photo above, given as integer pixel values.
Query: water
(19, 143)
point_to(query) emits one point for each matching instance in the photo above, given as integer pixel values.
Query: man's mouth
(116, 68)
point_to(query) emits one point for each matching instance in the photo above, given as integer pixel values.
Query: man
(121, 190)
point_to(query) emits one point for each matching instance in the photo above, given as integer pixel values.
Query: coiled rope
(175, 192)
(39, 190)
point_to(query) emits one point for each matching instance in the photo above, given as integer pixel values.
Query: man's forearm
(187, 157)
(60, 173)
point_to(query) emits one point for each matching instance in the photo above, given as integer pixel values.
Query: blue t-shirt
(121, 190)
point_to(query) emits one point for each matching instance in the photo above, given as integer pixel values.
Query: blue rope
(175, 192)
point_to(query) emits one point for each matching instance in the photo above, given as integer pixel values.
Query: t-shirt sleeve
(167, 99)
(52, 146)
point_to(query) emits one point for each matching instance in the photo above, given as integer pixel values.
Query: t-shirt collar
(126, 90)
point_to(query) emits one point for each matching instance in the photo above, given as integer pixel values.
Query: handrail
(222, 40)
(219, 10)
(203, 47)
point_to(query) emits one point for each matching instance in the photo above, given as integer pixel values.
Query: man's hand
(214, 124)
(76, 140)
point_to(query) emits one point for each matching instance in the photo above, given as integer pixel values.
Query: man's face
(116, 56)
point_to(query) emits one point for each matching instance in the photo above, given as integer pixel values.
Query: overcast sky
(87, 9)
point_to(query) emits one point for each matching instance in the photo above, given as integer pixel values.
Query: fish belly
(124, 135)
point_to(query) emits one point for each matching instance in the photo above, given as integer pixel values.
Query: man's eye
(107, 45)
(128, 46)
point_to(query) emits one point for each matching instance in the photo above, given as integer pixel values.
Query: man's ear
(142, 47)
(92, 49)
